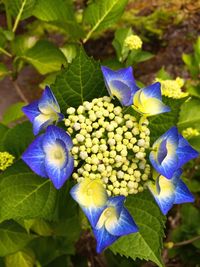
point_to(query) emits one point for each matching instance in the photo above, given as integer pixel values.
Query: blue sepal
(104, 239)
(34, 157)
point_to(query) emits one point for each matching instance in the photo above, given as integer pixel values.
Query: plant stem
(8, 17)
(19, 91)
(19, 16)
(5, 52)
(186, 242)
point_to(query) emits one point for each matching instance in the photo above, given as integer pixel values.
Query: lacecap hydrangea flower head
(106, 151)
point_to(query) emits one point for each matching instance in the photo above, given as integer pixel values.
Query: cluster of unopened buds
(107, 152)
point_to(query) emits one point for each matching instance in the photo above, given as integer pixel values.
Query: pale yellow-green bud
(67, 122)
(111, 116)
(80, 138)
(113, 178)
(116, 191)
(75, 175)
(71, 110)
(80, 110)
(83, 155)
(116, 184)
(70, 130)
(74, 150)
(118, 119)
(133, 42)
(94, 168)
(117, 110)
(129, 124)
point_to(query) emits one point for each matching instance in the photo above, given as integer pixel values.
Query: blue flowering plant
(106, 151)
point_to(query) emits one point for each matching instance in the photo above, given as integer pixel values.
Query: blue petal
(41, 122)
(184, 151)
(93, 214)
(104, 239)
(167, 167)
(182, 194)
(31, 110)
(48, 99)
(165, 163)
(124, 226)
(34, 157)
(153, 91)
(58, 169)
(162, 151)
(117, 202)
(53, 133)
(121, 91)
(125, 76)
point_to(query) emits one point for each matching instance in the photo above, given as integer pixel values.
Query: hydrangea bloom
(169, 192)
(44, 111)
(108, 216)
(170, 152)
(120, 84)
(148, 101)
(6, 160)
(49, 155)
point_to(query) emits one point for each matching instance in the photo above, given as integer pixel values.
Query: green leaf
(121, 49)
(60, 13)
(195, 142)
(147, 243)
(24, 258)
(161, 123)
(52, 10)
(16, 139)
(45, 57)
(70, 51)
(81, 81)
(26, 196)
(23, 7)
(190, 114)
(3, 71)
(3, 130)
(22, 43)
(137, 56)
(39, 226)
(13, 238)
(101, 14)
(163, 74)
(13, 113)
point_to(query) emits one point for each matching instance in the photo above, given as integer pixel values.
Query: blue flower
(44, 111)
(169, 192)
(170, 152)
(49, 156)
(108, 216)
(120, 84)
(148, 101)
(114, 221)
(91, 196)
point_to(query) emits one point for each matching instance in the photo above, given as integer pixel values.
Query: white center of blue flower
(56, 154)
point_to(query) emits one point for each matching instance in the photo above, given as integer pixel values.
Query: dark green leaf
(161, 123)
(81, 81)
(25, 196)
(16, 139)
(13, 238)
(147, 243)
